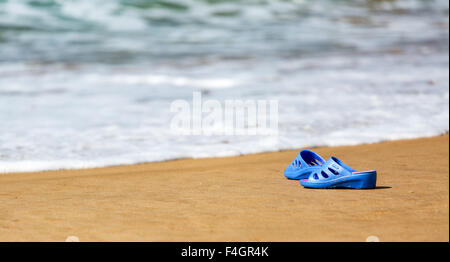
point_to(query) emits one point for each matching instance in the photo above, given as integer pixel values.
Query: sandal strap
(330, 170)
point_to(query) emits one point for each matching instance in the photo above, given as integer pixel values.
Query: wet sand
(243, 198)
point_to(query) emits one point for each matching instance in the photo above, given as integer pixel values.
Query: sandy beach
(243, 198)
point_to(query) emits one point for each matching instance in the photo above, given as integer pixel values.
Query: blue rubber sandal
(303, 165)
(335, 174)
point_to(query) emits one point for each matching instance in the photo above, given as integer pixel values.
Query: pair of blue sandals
(314, 172)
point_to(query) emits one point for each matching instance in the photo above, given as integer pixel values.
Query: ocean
(89, 83)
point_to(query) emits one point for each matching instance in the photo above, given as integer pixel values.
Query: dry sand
(243, 198)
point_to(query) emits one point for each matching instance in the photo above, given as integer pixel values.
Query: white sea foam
(80, 119)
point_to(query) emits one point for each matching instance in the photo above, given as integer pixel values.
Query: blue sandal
(303, 165)
(335, 174)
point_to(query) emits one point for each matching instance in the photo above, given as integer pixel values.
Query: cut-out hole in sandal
(296, 164)
(324, 174)
(316, 176)
(333, 171)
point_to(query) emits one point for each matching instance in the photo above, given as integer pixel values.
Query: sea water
(89, 83)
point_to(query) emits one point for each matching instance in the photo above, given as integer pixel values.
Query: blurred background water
(87, 83)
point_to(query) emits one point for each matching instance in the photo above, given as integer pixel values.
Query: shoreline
(313, 147)
(238, 198)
